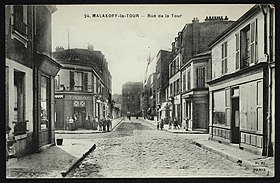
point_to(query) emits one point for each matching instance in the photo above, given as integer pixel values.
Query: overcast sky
(127, 42)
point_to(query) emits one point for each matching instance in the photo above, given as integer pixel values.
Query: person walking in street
(108, 123)
(158, 125)
(161, 124)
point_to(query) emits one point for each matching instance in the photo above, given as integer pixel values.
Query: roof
(231, 28)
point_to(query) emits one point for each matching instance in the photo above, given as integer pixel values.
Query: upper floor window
(224, 58)
(78, 81)
(188, 80)
(19, 23)
(200, 77)
(184, 82)
(237, 51)
(178, 85)
(248, 45)
(57, 82)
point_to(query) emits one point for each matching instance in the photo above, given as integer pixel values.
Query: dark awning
(47, 64)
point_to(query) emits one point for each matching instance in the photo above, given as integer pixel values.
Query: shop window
(19, 103)
(44, 102)
(19, 23)
(219, 108)
(224, 58)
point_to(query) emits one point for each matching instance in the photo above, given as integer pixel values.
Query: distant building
(83, 86)
(131, 93)
(117, 104)
(148, 97)
(242, 98)
(30, 73)
(162, 83)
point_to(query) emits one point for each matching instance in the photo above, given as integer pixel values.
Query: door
(80, 113)
(235, 121)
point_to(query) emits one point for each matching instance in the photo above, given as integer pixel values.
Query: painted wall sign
(78, 97)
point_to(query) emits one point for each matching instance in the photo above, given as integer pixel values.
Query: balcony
(20, 128)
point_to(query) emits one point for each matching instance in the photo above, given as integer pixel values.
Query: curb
(117, 124)
(248, 164)
(92, 132)
(64, 173)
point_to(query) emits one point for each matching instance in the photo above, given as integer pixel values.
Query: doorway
(235, 121)
(80, 113)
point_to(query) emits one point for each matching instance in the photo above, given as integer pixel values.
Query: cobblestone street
(136, 149)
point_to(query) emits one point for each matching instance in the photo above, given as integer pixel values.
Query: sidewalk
(115, 122)
(54, 160)
(261, 165)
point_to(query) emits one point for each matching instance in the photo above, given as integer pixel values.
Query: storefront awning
(47, 64)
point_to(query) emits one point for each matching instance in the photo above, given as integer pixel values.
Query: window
(224, 58)
(174, 87)
(85, 82)
(189, 80)
(253, 42)
(19, 23)
(184, 82)
(76, 81)
(219, 108)
(57, 83)
(200, 77)
(178, 85)
(245, 53)
(44, 102)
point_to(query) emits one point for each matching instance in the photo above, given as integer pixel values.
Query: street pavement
(136, 149)
(54, 160)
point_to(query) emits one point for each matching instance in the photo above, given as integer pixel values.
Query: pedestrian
(108, 123)
(158, 125)
(161, 124)
(71, 123)
(67, 123)
(187, 123)
(104, 124)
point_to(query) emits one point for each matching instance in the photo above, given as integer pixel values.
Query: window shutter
(72, 83)
(252, 42)
(85, 81)
(237, 54)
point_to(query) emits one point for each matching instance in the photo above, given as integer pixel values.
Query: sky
(130, 33)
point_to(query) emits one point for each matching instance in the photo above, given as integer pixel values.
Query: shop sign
(78, 97)
(78, 103)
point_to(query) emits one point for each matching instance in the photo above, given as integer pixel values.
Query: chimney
(195, 20)
(90, 47)
(59, 48)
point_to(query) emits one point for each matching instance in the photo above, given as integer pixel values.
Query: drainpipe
(35, 84)
(270, 146)
(268, 80)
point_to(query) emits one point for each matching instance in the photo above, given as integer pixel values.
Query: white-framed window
(19, 23)
(224, 58)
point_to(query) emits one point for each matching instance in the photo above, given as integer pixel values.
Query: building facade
(131, 94)
(162, 82)
(195, 92)
(190, 42)
(83, 87)
(30, 73)
(241, 96)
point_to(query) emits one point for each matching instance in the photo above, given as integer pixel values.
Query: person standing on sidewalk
(71, 124)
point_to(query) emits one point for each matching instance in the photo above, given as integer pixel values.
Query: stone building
(241, 95)
(29, 80)
(162, 82)
(83, 86)
(131, 94)
(191, 41)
